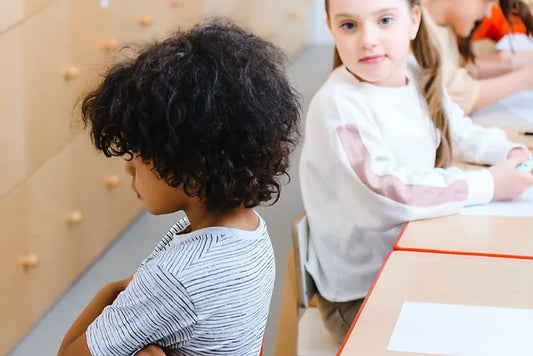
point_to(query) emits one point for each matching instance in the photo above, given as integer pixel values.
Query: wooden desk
(470, 235)
(435, 278)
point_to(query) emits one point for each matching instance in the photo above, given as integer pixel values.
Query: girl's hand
(151, 350)
(509, 182)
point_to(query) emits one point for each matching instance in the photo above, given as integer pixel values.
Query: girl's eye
(348, 25)
(385, 20)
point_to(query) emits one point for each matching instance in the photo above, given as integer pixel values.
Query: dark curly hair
(211, 107)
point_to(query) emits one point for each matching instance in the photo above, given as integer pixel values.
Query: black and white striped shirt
(201, 293)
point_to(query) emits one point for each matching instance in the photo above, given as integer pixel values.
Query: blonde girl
(380, 137)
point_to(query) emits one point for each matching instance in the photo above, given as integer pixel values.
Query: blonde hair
(428, 58)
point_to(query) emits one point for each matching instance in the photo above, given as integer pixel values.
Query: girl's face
(462, 15)
(157, 196)
(373, 37)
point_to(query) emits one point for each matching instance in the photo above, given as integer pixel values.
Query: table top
(435, 278)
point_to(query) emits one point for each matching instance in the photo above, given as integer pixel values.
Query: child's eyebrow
(380, 11)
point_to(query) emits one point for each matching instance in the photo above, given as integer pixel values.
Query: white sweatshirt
(368, 166)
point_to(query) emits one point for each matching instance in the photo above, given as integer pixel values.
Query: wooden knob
(176, 2)
(110, 45)
(145, 21)
(71, 73)
(74, 217)
(29, 261)
(272, 33)
(293, 16)
(112, 181)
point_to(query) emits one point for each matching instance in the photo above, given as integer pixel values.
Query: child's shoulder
(182, 251)
(340, 85)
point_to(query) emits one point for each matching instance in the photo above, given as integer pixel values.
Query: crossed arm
(75, 340)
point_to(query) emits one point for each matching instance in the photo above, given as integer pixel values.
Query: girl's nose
(369, 37)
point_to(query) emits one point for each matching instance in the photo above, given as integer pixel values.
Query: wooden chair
(300, 328)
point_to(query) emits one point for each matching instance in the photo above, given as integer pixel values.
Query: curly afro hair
(210, 107)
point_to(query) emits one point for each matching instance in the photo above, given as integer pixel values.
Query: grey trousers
(338, 316)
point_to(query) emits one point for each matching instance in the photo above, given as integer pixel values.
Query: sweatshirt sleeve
(346, 164)
(474, 143)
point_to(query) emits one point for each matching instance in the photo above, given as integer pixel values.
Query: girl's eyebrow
(344, 15)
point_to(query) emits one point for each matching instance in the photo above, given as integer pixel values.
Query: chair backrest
(300, 242)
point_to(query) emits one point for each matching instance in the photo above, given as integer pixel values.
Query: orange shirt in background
(496, 26)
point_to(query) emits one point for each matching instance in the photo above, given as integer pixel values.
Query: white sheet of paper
(520, 104)
(516, 41)
(521, 207)
(452, 329)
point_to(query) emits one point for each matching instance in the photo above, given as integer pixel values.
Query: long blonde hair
(427, 56)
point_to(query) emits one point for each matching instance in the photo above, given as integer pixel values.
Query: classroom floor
(307, 72)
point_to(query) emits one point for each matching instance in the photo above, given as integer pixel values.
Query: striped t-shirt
(206, 292)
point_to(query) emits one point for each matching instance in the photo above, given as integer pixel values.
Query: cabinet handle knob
(176, 2)
(293, 16)
(29, 261)
(145, 21)
(74, 217)
(112, 181)
(71, 73)
(110, 45)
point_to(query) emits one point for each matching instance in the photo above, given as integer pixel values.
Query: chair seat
(313, 337)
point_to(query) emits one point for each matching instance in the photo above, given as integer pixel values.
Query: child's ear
(416, 18)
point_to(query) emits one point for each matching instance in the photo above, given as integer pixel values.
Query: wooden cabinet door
(53, 221)
(12, 128)
(47, 91)
(15, 315)
(134, 21)
(102, 192)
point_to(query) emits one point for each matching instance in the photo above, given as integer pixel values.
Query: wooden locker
(16, 264)
(11, 12)
(294, 25)
(12, 128)
(91, 48)
(103, 194)
(53, 222)
(48, 77)
(139, 21)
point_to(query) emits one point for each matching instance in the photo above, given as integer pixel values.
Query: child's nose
(368, 37)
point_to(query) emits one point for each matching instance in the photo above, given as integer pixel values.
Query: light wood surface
(492, 235)
(12, 128)
(287, 334)
(47, 106)
(435, 278)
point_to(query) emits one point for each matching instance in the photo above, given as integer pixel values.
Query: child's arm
(350, 167)
(155, 308)
(476, 144)
(75, 342)
(494, 89)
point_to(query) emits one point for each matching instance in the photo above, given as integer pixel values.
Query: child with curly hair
(206, 120)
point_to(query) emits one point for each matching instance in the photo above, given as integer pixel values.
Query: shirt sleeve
(473, 143)
(155, 308)
(353, 168)
(461, 87)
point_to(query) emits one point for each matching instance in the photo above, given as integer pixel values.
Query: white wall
(319, 33)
